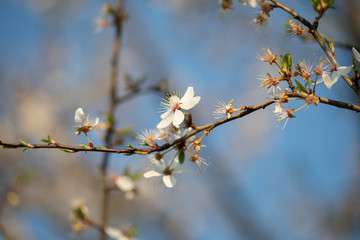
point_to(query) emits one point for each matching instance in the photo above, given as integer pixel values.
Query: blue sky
(284, 174)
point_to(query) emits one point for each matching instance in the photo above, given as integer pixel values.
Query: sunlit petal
(165, 122)
(178, 118)
(188, 95)
(152, 173)
(186, 105)
(169, 181)
(166, 114)
(356, 54)
(80, 118)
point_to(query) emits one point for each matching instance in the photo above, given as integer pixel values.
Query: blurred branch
(3, 227)
(118, 22)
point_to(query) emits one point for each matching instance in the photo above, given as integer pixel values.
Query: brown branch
(313, 30)
(208, 127)
(327, 101)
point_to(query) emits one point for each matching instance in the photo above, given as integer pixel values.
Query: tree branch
(313, 30)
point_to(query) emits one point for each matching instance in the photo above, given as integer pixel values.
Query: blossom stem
(301, 107)
(88, 138)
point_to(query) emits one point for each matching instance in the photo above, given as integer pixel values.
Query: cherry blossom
(165, 172)
(173, 106)
(82, 122)
(336, 73)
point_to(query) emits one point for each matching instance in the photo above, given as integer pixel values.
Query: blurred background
(263, 183)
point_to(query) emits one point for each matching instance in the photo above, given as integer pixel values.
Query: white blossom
(82, 122)
(173, 106)
(336, 73)
(165, 172)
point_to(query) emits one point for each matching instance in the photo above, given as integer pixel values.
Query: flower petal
(152, 173)
(125, 183)
(278, 108)
(96, 122)
(169, 181)
(166, 114)
(189, 94)
(178, 118)
(114, 233)
(80, 118)
(186, 105)
(356, 54)
(165, 122)
(336, 74)
(253, 3)
(328, 81)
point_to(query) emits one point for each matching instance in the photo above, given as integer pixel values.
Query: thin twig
(210, 126)
(313, 30)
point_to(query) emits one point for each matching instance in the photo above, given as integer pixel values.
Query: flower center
(174, 103)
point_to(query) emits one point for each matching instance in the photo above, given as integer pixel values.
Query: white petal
(253, 3)
(96, 122)
(114, 233)
(278, 108)
(166, 114)
(125, 183)
(188, 94)
(169, 181)
(336, 74)
(328, 81)
(356, 54)
(80, 118)
(152, 173)
(178, 118)
(186, 105)
(165, 122)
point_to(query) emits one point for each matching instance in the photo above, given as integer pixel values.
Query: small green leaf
(300, 87)
(286, 62)
(48, 140)
(99, 146)
(26, 144)
(141, 153)
(130, 146)
(67, 150)
(309, 82)
(128, 154)
(181, 157)
(45, 140)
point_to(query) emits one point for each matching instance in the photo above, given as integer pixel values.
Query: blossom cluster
(312, 74)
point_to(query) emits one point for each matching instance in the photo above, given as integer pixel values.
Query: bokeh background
(263, 183)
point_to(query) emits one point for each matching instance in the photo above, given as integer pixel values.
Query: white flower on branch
(165, 172)
(173, 105)
(149, 136)
(336, 73)
(82, 122)
(281, 114)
